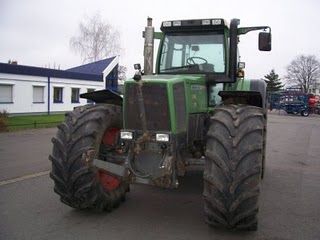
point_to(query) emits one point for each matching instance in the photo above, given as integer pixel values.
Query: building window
(75, 95)
(57, 95)
(6, 93)
(88, 91)
(38, 94)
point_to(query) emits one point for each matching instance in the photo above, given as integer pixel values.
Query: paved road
(24, 152)
(290, 205)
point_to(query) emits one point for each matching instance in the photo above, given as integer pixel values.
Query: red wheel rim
(107, 180)
(110, 136)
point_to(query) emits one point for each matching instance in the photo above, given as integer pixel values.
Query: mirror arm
(245, 30)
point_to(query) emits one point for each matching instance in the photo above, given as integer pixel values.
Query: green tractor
(197, 109)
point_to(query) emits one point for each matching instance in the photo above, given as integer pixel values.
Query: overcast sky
(37, 32)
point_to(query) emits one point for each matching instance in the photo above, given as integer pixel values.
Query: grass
(34, 121)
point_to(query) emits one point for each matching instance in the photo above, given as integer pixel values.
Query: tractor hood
(170, 78)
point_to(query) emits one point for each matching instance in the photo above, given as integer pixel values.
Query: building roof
(47, 72)
(92, 68)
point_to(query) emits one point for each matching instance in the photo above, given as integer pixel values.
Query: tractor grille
(155, 99)
(180, 105)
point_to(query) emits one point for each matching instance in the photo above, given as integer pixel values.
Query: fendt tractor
(196, 109)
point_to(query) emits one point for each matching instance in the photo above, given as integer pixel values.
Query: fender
(104, 96)
(256, 95)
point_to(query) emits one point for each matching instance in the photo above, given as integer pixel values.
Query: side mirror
(265, 41)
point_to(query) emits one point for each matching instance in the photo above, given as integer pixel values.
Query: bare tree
(122, 72)
(96, 39)
(304, 71)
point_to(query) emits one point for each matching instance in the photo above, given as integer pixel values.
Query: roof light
(167, 24)
(176, 23)
(206, 22)
(216, 22)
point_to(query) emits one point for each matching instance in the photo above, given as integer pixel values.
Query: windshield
(190, 53)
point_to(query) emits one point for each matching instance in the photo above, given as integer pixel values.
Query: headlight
(162, 137)
(126, 135)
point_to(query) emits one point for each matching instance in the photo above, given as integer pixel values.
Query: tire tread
(233, 166)
(75, 179)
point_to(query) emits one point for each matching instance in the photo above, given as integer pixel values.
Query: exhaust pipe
(148, 48)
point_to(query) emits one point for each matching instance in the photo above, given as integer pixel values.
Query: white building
(34, 90)
(315, 88)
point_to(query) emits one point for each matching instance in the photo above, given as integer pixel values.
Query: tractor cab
(193, 47)
(201, 46)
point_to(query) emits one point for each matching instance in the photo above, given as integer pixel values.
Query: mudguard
(261, 87)
(104, 96)
(255, 92)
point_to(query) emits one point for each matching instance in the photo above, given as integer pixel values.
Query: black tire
(305, 113)
(233, 166)
(264, 152)
(75, 146)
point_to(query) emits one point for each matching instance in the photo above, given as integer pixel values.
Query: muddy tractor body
(196, 109)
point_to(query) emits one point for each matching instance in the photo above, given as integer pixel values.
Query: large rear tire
(233, 167)
(80, 184)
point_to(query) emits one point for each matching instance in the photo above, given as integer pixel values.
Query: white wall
(23, 93)
(67, 85)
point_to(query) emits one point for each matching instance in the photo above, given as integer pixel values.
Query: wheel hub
(107, 180)
(110, 136)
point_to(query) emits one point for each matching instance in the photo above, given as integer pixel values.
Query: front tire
(78, 183)
(305, 113)
(233, 167)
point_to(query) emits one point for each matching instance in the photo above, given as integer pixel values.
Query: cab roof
(194, 25)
